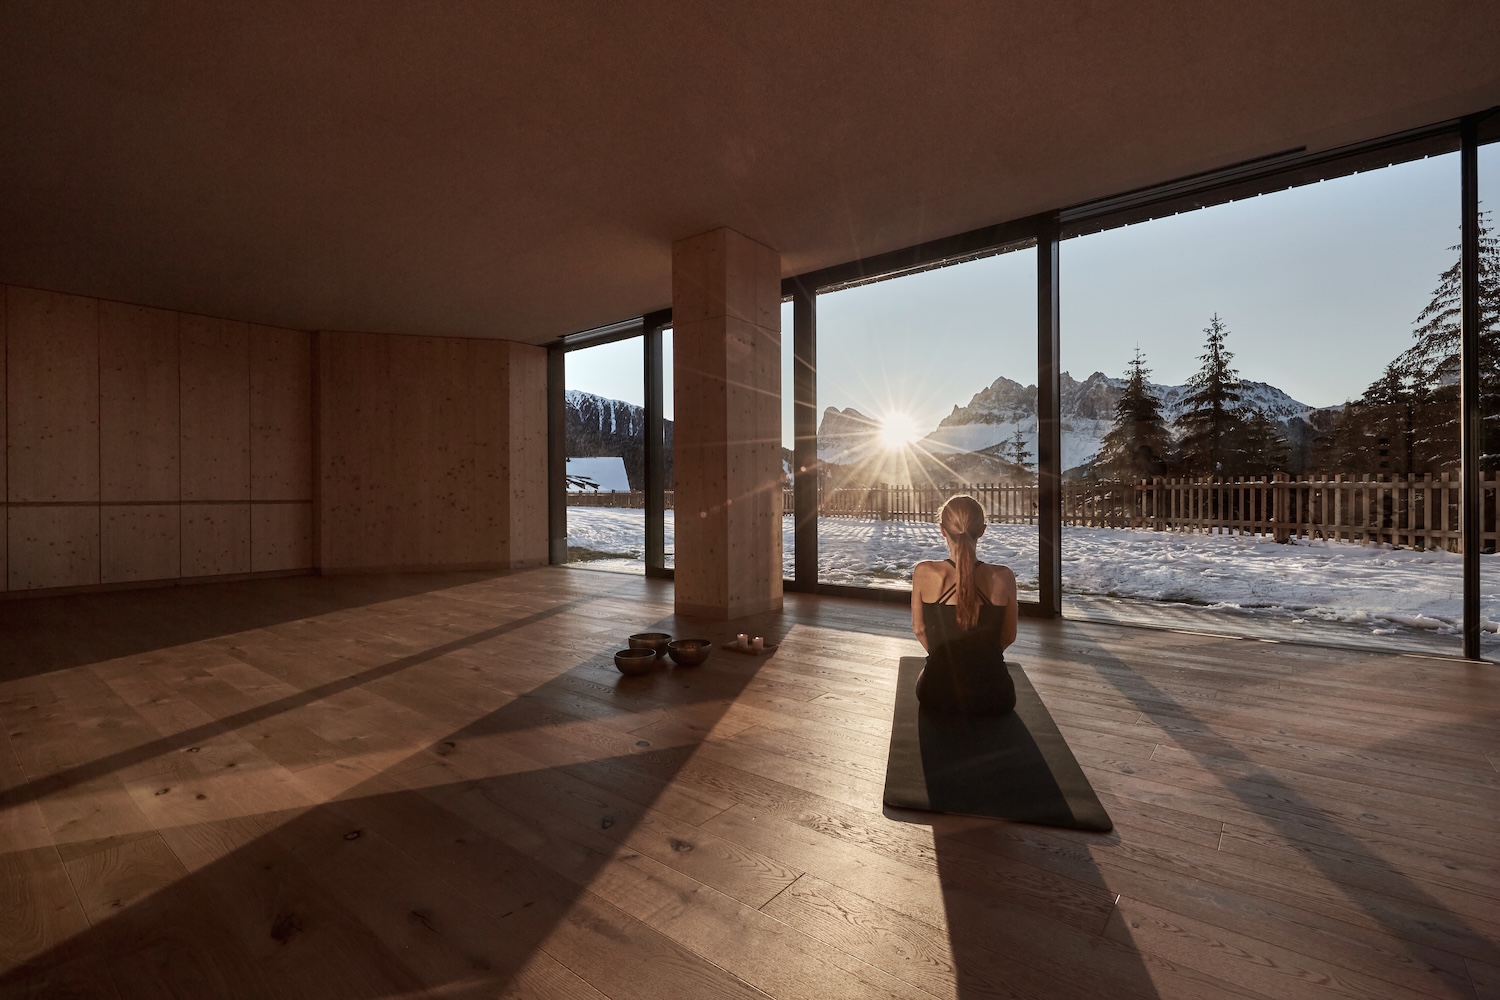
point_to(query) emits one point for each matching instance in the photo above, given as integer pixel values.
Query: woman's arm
(919, 576)
(1006, 584)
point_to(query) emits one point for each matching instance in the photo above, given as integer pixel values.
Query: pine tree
(1018, 453)
(1256, 446)
(1211, 417)
(1407, 420)
(1137, 444)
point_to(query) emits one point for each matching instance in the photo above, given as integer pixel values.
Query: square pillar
(726, 454)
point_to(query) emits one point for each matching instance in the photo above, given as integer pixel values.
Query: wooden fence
(637, 499)
(1420, 512)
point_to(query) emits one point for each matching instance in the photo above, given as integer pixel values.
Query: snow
(1389, 591)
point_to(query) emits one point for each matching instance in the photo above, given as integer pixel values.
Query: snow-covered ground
(1389, 591)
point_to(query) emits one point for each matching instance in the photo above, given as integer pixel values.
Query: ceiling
(520, 170)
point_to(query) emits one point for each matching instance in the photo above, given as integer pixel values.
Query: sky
(1319, 287)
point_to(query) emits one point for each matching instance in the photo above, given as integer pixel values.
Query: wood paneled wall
(149, 445)
(432, 452)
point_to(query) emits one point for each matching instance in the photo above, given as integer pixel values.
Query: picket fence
(1420, 512)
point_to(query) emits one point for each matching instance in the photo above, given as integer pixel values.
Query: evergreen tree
(1433, 359)
(1137, 444)
(1379, 432)
(1211, 418)
(1256, 446)
(1018, 453)
(1407, 420)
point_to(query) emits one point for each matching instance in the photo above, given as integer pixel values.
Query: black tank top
(978, 645)
(965, 669)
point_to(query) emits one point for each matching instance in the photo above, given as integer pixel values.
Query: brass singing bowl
(689, 652)
(654, 641)
(635, 661)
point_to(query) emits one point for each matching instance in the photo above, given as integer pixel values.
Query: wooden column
(726, 322)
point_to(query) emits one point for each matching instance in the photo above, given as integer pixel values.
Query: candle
(742, 640)
(758, 642)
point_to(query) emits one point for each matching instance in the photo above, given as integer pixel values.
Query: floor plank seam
(783, 889)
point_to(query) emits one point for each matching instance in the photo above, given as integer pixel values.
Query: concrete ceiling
(520, 170)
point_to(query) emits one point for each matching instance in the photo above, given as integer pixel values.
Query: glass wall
(606, 443)
(927, 388)
(1260, 415)
(1489, 389)
(788, 436)
(669, 517)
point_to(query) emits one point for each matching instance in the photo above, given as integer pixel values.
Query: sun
(897, 431)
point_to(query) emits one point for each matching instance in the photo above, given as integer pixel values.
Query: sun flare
(898, 430)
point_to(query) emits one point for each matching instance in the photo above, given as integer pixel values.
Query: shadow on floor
(54, 633)
(446, 871)
(1434, 937)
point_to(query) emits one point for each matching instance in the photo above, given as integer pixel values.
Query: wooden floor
(440, 786)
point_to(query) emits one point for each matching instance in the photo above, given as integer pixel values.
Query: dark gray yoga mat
(1014, 766)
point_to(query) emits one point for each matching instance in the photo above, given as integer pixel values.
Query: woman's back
(965, 669)
(979, 643)
(964, 614)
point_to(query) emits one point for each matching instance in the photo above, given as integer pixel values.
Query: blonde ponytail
(962, 520)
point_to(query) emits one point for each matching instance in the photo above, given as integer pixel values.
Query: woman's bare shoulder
(1001, 570)
(999, 581)
(926, 578)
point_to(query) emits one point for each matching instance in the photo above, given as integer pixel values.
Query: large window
(606, 437)
(1260, 415)
(927, 388)
(1489, 386)
(1259, 408)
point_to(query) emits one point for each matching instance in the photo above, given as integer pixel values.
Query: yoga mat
(1014, 766)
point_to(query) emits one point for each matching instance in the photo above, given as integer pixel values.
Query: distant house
(604, 473)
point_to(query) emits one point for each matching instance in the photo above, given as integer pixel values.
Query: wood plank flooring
(438, 785)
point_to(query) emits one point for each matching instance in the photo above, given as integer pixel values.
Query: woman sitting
(964, 614)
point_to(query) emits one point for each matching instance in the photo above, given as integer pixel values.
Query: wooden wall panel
(140, 542)
(4, 495)
(458, 520)
(280, 414)
(4, 491)
(356, 431)
(527, 458)
(112, 415)
(52, 398)
(53, 546)
(415, 467)
(280, 536)
(490, 446)
(138, 404)
(215, 539)
(215, 409)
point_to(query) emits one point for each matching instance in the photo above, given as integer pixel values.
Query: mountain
(846, 436)
(850, 441)
(597, 426)
(992, 416)
(600, 427)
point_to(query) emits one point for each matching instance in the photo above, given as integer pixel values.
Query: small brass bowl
(635, 661)
(654, 641)
(689, 652)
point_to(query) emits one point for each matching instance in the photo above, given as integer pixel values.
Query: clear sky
(1319, 287)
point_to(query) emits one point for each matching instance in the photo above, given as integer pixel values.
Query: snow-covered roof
(607, 472)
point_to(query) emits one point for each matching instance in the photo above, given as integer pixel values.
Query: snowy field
(1387, 591)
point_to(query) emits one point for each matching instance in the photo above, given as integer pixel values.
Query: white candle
(742, 640)
(758, 643)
